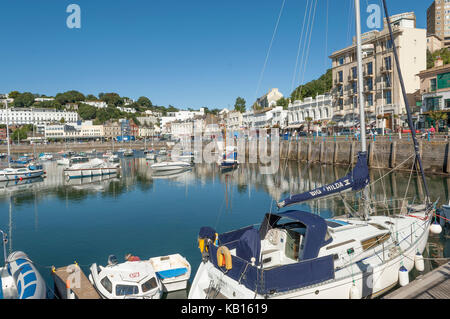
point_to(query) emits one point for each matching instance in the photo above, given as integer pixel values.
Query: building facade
(310, 110)
(438, 20)
(23, 116)
(435, 90)
(384, 104)
(269, 99)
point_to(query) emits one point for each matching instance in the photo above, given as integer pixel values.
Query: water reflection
(56, 220)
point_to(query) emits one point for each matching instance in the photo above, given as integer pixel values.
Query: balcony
(368, 75)
(384, 69)
(352, 79)
(338, 82)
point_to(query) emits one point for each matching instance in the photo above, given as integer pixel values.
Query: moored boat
(86, 167)
(170, 165)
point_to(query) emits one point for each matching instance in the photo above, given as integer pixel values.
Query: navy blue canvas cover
(356, 180)
(249, 246)
(207, 232)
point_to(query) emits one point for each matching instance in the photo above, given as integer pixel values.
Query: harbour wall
(386, 154)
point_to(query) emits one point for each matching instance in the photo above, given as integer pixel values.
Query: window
(149, 284)
(370, 68)
(369, 100)
(388, 97)
(389, 44)
(354, 87)
(433, 84)
(387, 80)
(387, 63)
(340, 76)
(124, 290)
(354, 74)
(106, 283)
(369, 84)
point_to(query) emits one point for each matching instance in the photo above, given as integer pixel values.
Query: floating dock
(71, 283)
(433, 285)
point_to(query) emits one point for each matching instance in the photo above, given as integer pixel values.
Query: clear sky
(184, 53)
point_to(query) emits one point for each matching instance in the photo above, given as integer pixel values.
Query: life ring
(224, 258)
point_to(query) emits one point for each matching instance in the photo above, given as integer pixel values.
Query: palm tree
(331, 124)
(437, 117)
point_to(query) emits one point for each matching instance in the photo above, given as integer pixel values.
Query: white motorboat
(150, 155)
(131, 279)
(80, 167)
(168, 166)
(19, 277)
(65, 161)
(173, 271)
(46, 156)
(114, 158)
(162, 151)
(107, 154)
(128, 152)
(21, 173)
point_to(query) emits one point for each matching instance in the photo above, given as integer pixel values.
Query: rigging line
(308, 48)
(294, 76)
(297, 71)
(268, 51)
(326, 38)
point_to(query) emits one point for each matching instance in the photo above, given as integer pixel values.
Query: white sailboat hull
(168, 166)
(14, 176)
(380, 275)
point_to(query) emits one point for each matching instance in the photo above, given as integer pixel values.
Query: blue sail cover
(357, 179)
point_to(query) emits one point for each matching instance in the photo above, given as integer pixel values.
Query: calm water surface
(57, 222)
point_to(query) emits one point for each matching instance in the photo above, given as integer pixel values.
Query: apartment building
(111, 130)
(438, 20)
(435, 90)
(23, 116)
(234, 120)
(315, 109)
(382, 91)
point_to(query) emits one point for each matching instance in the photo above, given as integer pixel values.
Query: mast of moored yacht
(362, 119)
(7, 133)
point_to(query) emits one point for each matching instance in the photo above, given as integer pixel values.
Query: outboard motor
(206, 236)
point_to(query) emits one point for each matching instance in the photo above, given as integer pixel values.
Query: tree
(313, 88)
(87, 112)
(24, 100)
(239, 105)
(111, 99)
(91, 97)
(70, 97)
(13, 94)
(437, 117)
(144, 101)
(62, 120)
(283, 102)
(19, 134)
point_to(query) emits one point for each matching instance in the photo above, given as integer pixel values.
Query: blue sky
(184, 53)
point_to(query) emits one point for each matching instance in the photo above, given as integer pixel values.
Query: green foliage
(69, 97)
(256, 107)
(24, 100)
(313, 88)
(437, 117)
(111, 99)
(13, 94)
(283, 102)
(49, 104)
(87, 112)
(432, 57)
(239, 105)
(19, 134)
(91, 97)
(144, 101)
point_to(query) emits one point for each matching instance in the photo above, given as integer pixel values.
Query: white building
(23, 116)
(266, 118)
(85, 130)
(234, 121)
(42, 99)
(127, 109)
(179, 116)
(97, 104)
(269, 99)
(317, 109)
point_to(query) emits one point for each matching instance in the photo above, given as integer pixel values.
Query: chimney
(439, 62)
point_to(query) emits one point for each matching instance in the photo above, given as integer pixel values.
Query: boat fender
(403, 276)
(354, 293)
(419, 262)
(224, 258)
(435, 228)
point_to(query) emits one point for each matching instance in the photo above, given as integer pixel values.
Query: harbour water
(58, 222)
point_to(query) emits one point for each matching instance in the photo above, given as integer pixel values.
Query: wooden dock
(433, 285)
(73, 277)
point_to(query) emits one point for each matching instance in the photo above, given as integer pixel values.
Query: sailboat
(297, 254)
(229, 158)
(20, 278)
(18, 173)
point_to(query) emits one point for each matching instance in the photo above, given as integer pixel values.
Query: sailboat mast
(408, 109)
(7, 133)
(362, 120)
